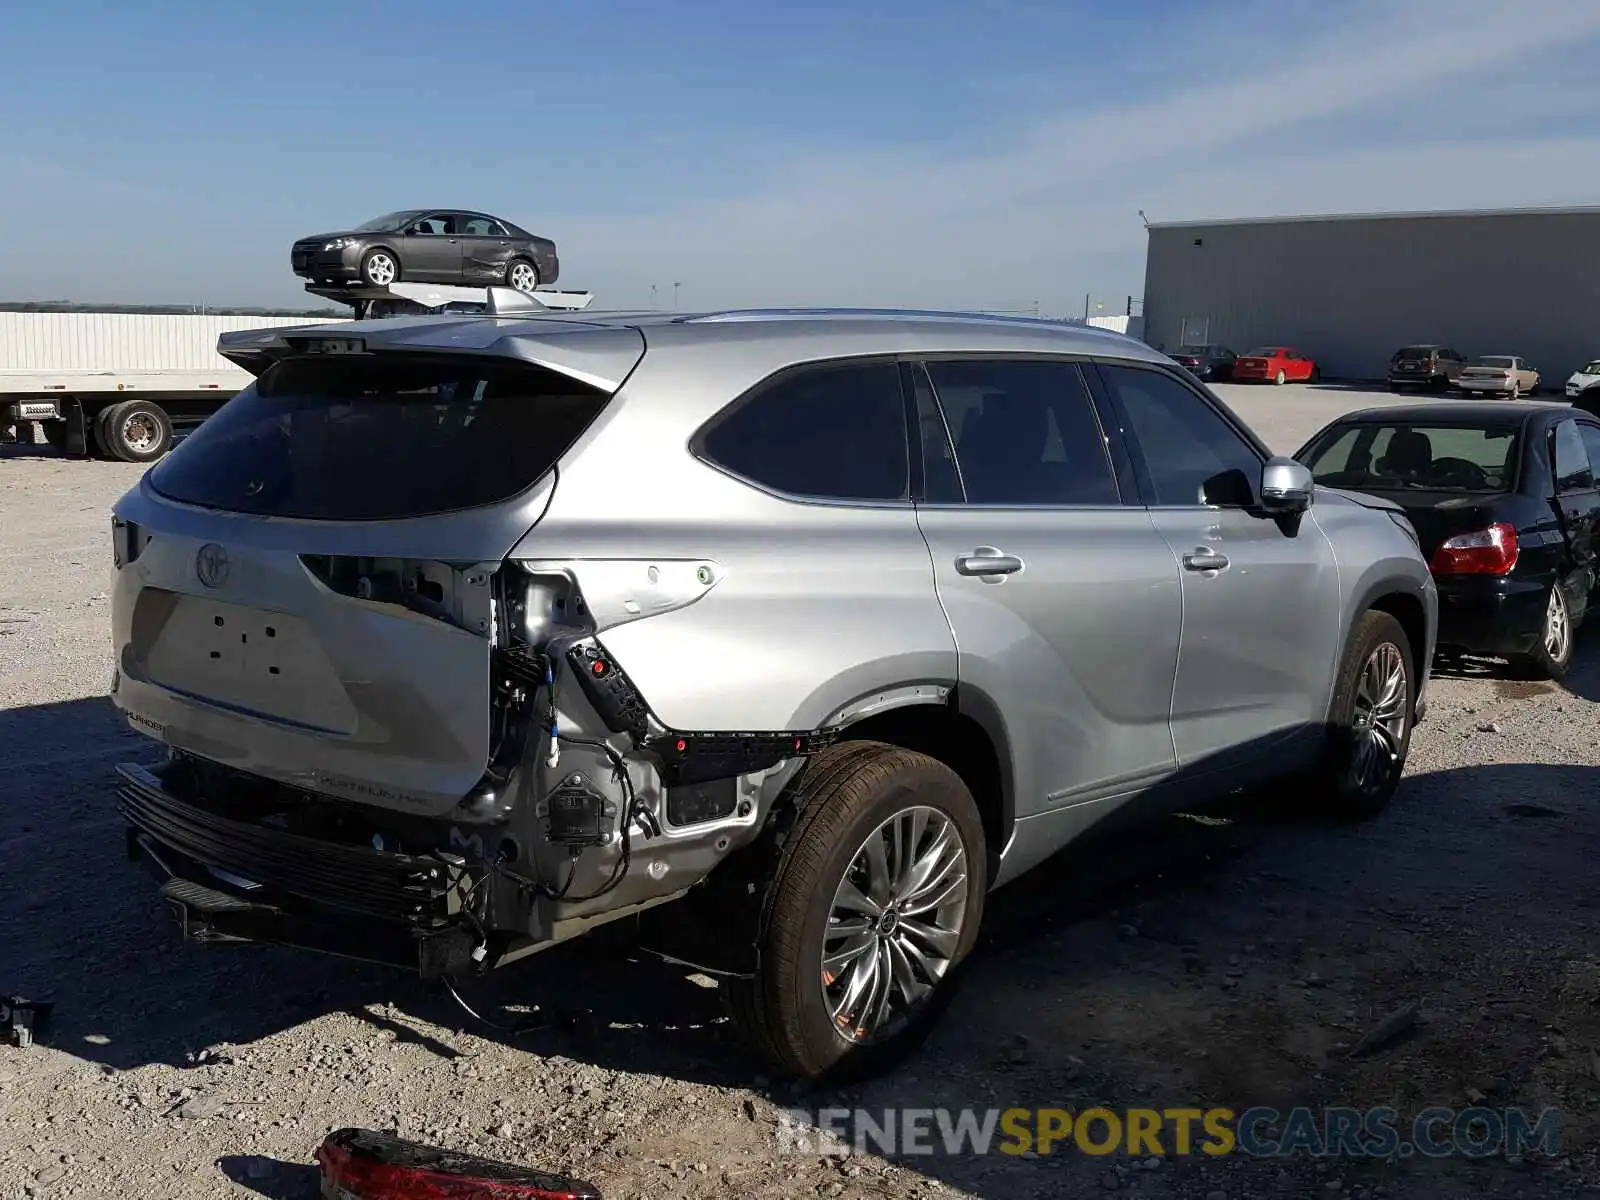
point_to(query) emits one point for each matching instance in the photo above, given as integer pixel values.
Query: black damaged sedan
(1504, 501)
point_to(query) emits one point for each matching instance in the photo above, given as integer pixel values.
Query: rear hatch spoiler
(600, 355)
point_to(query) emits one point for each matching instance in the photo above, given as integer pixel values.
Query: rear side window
(830, 432)
(1573, 472)
(371, 438)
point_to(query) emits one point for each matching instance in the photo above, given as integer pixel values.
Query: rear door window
(835, 431)
(1572, 467)
(388, 436)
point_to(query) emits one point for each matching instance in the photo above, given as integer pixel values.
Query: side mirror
(1286, 485)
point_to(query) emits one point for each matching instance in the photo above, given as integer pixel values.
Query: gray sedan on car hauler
(469, 633)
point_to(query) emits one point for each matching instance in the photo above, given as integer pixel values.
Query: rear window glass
(1263, 352)
(1492, 360)
(1383, 456)
(1414, 352)
(359, 438)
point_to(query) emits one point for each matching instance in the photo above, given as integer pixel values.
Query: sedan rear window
(1414, 352)
(362, 437)
(1492, 360)
(1400, 456)
(1263, 352)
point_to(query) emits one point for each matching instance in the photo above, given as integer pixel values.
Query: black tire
(1338, 785)
(1543, 662)
(518, 268)
(135, 431)
(840, 798)
(371, 263)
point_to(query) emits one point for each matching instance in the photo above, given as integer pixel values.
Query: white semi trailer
(117, 385)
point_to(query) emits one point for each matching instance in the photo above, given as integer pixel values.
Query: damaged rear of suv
(466, 635)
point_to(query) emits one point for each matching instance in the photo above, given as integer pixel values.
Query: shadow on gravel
(1139, 910)
(271, 1178)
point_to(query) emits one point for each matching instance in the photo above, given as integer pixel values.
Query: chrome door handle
(1205, 559)
(986, 560)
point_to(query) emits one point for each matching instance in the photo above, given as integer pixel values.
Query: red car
(1280, 364)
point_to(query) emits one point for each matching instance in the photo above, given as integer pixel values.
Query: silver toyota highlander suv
(467, 634)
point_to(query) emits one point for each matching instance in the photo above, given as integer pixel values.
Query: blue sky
(986, 153)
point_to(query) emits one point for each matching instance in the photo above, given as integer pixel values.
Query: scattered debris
(23, 1019)
(1389, 1030)
(366, 1164)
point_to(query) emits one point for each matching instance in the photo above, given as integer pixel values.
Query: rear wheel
(1369, 727)
(1280, 377)
(1552, 653)
(522, 275)
(135, 431)
(876, 903)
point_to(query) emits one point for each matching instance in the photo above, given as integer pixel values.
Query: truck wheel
(874, 907)
(1369, 725)
(135, 431)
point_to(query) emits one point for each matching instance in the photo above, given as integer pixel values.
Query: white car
(1585, 377)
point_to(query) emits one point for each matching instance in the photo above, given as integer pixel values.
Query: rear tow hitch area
(366, 1164)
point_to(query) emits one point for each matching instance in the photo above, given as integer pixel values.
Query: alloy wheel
(1557, 627)
(380, 270)
(894, 924)
(523, 277)
(1380, 716)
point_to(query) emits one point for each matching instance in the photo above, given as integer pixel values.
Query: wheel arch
(385, 248)
(965, 735)
(1401, 601)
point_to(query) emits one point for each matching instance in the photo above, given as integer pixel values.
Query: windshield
(1401, 456)
(367, 437)
(1492, 360)
(1592, 369)
(388, 221)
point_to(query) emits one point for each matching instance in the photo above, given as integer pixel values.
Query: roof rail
(733, 315)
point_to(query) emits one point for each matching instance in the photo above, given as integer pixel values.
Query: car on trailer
(1503, 498)
(429, 245)
(435, 702)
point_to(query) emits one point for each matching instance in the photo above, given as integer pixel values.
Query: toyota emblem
(211, 565)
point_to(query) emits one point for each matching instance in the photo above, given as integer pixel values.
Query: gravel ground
(1231, 962)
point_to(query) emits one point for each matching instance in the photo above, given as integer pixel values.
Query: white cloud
(1272, 115)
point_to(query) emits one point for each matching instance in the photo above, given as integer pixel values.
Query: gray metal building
(1350, 290)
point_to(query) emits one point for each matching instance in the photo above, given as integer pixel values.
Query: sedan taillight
(1491, 551)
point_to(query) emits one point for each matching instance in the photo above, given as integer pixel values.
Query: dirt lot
(1225, 963)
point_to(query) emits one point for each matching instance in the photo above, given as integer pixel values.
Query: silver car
(467, 634)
